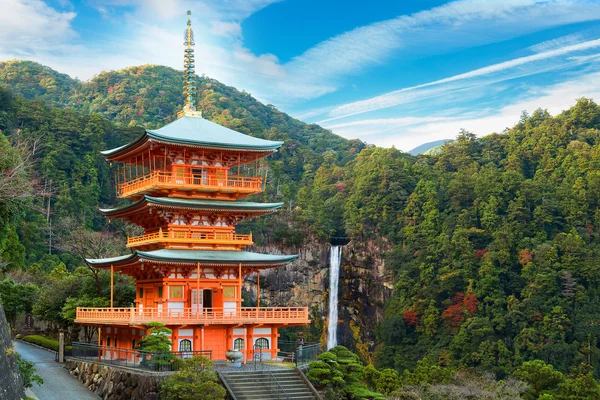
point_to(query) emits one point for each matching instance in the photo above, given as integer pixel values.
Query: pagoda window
(141, 293)
(160, 292)
(133, 343)
(175, 292)
(108, 341)
(238, 344)
(261, 343)
(185, 345)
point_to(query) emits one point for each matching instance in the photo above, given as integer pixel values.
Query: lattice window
(262, 343)
(185, 345)
(238, 344)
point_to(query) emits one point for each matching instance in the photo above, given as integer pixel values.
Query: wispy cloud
(455, 25)
(439, 87)
(554, 98)
(557, 43)
(28, 27)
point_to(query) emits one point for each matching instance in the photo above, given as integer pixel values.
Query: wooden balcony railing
(191, 237)
(158, 179)
(245, 315)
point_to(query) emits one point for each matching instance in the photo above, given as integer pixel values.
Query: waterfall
(335, 259)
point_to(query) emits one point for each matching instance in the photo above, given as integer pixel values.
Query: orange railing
(199, 237)
(157, 178)
(244, 315)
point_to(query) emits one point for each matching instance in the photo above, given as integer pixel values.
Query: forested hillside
(492, 244)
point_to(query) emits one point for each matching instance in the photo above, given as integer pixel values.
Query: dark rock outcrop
(11, 383)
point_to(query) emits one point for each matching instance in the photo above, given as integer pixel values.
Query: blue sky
(393, 73)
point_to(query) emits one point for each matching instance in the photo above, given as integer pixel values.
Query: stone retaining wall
(113, 383)
(11, 384)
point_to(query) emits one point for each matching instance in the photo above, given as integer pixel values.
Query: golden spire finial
(189, 74)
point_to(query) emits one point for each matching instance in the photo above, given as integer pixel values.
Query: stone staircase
(281, 384)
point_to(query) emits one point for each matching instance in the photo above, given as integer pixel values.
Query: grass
(280, 364)
(44, 341)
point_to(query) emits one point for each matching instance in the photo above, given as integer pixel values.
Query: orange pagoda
(185, 181)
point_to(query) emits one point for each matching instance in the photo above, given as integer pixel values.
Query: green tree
(195, 380)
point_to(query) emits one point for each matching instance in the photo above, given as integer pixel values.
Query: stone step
(246, 396)
(261, 385)
(287, 389)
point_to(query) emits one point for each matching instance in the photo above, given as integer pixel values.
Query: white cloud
(440, 87)
(557, 43)
(226, 29)
(28, 27)
(555, 99)
(458, 24)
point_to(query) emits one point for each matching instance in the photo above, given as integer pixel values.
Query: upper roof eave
(197, 131)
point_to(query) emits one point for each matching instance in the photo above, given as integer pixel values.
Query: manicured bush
(44, 341)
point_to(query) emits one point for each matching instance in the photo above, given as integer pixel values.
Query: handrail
(132, 358)
(170, 179)
(129, 315)
(191, 236)
(308, 383)
(273, 378)
(226, 384)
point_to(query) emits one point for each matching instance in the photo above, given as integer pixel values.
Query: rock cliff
(364, 286)
(11, 384)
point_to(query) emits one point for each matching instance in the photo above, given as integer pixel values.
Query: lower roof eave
(206, 258)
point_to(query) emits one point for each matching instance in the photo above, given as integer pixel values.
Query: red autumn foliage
(464, 305)
(480, 253)
(140, 112)
(526, 256)
(341, 186)
(411, 317)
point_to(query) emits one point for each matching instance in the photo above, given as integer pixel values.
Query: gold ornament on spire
(189, 73)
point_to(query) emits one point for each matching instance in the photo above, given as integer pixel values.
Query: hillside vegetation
(493, 242)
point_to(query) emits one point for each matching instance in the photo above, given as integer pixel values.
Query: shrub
(44, 341)
(388, 381)
(28, 372)
(197, 380)
(370, 376)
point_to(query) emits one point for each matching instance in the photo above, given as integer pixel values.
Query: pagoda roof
(205, 258)
(199, 132)
(195, 204)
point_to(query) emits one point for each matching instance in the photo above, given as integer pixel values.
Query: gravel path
(58, 383)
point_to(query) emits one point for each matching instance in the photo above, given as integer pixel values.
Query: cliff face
(11, 384)
(363, 288)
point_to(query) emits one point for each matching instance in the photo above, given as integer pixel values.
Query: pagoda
(185, 181)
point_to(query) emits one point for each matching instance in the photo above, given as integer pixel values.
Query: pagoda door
(221, 176)
(149, 299)
(179, 175)
(197, 303)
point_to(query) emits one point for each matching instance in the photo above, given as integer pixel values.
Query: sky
(389, 72)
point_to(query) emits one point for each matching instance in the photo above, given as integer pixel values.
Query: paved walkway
(58, 383)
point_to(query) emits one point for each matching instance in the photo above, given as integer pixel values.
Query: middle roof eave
(197, 204)
(214, 257)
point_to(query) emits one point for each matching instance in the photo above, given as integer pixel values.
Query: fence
(305, 354)
(133, 358)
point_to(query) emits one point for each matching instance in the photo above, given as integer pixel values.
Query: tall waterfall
(335, 259)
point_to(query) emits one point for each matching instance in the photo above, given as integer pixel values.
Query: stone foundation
(113, 383)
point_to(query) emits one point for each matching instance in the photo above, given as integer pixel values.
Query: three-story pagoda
(185, 181)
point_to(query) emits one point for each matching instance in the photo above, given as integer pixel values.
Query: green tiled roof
(202, 132)
(199, 204)
(201, 256)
